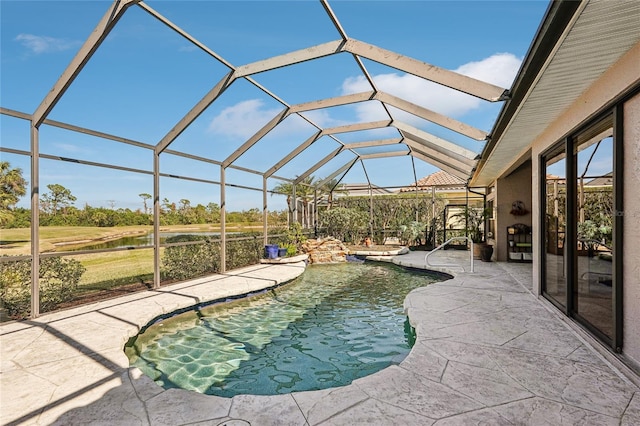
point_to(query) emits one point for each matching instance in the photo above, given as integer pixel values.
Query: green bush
(345, 224)
(58, 280)
(244, 252)
(190, 261)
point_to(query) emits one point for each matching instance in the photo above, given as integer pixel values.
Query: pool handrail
(426, 257)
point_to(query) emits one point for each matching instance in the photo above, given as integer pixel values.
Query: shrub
(190, 261)
(58, 280)
(345, 224)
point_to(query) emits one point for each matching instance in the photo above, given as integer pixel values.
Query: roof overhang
(591, 33)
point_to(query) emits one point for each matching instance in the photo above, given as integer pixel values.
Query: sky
(145, 77)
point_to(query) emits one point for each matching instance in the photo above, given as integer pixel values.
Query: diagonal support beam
(319, 164)
(195, 112)
(332, 102)
(357, 127)
(291, 58)
(292, 154)
(342, 169)
(92, 43)
(443, 158)
(385, 155)
(366, 144)
(256, 137)
(439, 144)
(427, 71)
(435, 162)
(434, 117)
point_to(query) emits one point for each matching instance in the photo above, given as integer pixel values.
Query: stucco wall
(513, 187)
(631, 238)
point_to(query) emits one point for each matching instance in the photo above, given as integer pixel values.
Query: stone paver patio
(487, 352)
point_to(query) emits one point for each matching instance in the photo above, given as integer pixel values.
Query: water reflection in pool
(330, 326)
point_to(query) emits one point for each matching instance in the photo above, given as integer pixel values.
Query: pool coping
(486, 350)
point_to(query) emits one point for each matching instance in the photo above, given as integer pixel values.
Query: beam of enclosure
(334, 19)
(366, 175)
(384, 155)
(333, 102)
(34, 135)
(427, 71)
(223, 221)
(434, 161)
(156, 220)
(290, 58)
(265, 212)
(345, 168)
(183, 33)
(437, 143)
(91, 44)
(195, 112)
(293, 154)
(319, 164)
(432, 116)
(356, 127)
(256, 137)
(379, 142)
(73, 128)
(443, 158)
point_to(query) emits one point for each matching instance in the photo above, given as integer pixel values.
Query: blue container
(271, 251)
(282, 252)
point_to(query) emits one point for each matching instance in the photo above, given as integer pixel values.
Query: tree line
(57, 209)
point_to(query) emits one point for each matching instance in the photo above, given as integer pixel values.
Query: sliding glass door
(579, 229)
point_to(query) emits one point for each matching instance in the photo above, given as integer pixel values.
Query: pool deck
(487, 352)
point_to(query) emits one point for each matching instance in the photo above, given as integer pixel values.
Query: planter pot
(271, 251)
(487, 252)
(282, 252)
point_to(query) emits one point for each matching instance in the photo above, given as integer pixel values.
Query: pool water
(333, 324)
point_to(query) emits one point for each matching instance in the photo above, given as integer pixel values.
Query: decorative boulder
(325, 250)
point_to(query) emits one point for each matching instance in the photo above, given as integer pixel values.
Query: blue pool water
(333, 324)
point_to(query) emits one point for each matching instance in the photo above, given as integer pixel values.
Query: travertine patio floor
(488, 352)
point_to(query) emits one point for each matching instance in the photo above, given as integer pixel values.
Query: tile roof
(440, 178)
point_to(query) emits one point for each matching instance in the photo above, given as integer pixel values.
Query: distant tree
(58, 198)
(12, 187)
(329, 188)
(145, 197)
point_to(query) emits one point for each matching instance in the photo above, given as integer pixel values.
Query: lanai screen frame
(410, 141)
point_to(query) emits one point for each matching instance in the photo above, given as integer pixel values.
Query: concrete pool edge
(454, 372)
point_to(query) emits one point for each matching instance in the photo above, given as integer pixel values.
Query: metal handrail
(426, 257)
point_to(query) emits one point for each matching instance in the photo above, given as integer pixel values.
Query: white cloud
(245, 118)
(43, 44)
(499, 69)
(242, 119)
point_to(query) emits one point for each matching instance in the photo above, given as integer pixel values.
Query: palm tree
(304, 191)
(330, 187)
(285, 188)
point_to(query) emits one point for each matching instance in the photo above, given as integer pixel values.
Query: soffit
(602, 33)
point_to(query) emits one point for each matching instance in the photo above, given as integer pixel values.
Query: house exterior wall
(620, 78)
(631, 238)
(513, 187)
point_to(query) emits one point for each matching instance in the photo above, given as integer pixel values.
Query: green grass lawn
(107, 269)
(16, 242)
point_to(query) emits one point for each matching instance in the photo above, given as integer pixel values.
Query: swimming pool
(333, 324)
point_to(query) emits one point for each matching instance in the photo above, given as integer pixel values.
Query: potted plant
(474, 219)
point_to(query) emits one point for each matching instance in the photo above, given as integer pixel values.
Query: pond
(132, 241)
(332, 325)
